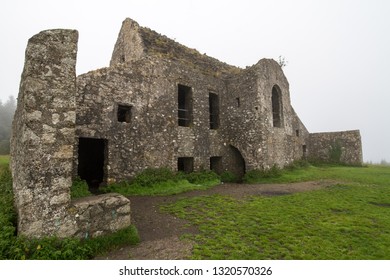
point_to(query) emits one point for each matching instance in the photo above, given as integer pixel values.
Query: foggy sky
(338, 52)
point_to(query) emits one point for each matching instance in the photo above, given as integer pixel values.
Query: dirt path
(160, 232)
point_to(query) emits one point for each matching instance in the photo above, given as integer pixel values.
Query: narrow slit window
(124, 113)
(304, 151)
(214, 110)
(238, 102)
(184, 105)
(276, 107)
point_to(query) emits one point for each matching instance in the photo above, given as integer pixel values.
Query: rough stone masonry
(42, 147)
(158, 104)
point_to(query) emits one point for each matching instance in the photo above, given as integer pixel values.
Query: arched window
(277, 108)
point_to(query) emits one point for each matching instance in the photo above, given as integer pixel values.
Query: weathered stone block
(101, 214)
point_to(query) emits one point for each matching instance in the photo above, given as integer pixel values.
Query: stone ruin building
(158, 104)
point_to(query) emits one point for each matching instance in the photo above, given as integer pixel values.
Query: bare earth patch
(160, 232)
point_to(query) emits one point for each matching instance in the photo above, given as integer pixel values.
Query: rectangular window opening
(238, 102)
(214, 110)
(276, 107)
(216, 165)
(184, 105)
(297, 132)
(304, 151)
(124, 113)
(185, 164)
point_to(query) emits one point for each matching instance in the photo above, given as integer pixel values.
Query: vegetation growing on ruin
(335, 152)
(229, 177)
(79, 189)
(256, 175)
(300, 171)
(14, 247)
(349, 220)
(164, 47)
(162, 181)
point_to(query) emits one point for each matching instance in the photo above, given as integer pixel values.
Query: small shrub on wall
(335, 152)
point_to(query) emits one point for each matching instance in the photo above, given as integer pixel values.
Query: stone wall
(151, 138)
(136, 42)
(336, 147)
(96, 215)
(151, 108)
(42, 146)
(44, 132)
(249, 124)
(145, 72)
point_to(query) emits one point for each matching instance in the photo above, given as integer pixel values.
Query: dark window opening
(216, 165)
(214, 110)
(276, 107)
(304, 151)
(124, 113)
(92, 155)
(184, 105)
(238, 101)
(297, 132)
(185, 164)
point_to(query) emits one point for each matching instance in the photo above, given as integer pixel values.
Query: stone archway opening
(237, 163)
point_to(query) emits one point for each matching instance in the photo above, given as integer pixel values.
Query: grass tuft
(255, 176)
(164, 182)
(79, 189)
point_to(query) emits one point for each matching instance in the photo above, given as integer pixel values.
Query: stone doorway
(92, 159)
(237, 163)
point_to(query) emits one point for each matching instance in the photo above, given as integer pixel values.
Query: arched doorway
(236, 162)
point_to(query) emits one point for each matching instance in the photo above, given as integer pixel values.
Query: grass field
(350, 220)
(4, 160)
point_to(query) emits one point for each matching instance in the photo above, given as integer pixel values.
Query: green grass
(159, 189)
(372, 174)
(79, 189)
(53, 248)
(4, 160)
(350, 220)
(162, 181)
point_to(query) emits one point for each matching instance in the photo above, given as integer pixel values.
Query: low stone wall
(336, 147)
(96, 215)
